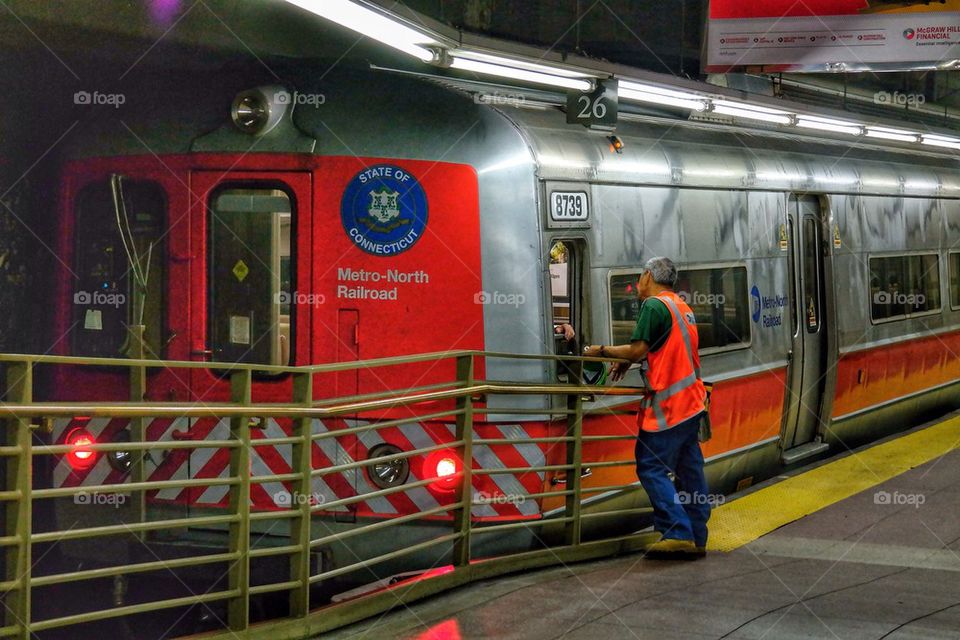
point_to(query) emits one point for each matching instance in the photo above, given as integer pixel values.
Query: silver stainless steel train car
(432, 214)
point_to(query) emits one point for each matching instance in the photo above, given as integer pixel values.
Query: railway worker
(669, 417)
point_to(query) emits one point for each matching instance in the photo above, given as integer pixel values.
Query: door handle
(586, 472)
(790, 355)
(202, 352)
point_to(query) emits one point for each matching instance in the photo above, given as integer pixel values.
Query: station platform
(864, 545)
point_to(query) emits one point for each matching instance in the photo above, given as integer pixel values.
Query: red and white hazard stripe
(495, 495)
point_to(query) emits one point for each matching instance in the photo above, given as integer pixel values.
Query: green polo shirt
(653, 324)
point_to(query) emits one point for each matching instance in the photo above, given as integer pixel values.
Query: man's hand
(618, 370)
(566, 330)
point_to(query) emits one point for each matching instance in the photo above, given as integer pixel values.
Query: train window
(811, 274)
(955, 280)
(251, 294)
(624, 306)
(923, 276)
(901, 286)
(721, 304)
(717, 296)
(794, 322)
(119, 268)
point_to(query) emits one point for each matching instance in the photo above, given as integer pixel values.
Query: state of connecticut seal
(384, 210)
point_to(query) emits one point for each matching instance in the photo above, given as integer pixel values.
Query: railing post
(238, 609)
(464, 494)
(300, 533)
(574, 455)
(138, 426)
(19, 513)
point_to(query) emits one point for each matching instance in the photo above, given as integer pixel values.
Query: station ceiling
(117, 38)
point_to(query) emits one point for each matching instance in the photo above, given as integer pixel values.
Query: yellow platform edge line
(745, 519)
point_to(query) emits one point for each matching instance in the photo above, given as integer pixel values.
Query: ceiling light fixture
(525, 75)
(373, 24)
(752, 112)
(829, 124)
(935, 140)
(657, 95)
(536, 67)
(899, 135)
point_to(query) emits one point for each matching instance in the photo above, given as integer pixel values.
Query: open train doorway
(807, 375)
(565, 272)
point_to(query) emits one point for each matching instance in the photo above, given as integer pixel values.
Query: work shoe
(671, 548)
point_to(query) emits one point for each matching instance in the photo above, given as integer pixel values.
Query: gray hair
(663, 270)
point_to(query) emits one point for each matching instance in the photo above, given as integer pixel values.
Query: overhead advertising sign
(832, 35)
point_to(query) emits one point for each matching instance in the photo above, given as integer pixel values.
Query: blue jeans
(680, 511)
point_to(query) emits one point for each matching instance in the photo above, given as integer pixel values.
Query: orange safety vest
(676, 390)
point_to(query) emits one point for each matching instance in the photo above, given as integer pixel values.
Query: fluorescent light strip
(833, 121)
(824, 124)
(743, 106)
(940, 141)
(666, 100)
(749, 114)
(521, 74)
(372, 24)
(519, 64)
(899, 135)
(629, 85)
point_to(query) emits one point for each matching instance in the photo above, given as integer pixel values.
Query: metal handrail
(316, 368)
(463, 394)
(143, 410)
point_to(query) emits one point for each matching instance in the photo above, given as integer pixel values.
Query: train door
(251, 284)
(127, 242)
(806, 380)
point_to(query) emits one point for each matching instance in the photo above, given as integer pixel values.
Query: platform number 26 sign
(596, 109)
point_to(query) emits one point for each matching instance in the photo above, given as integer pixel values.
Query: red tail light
(81, 457)
(446, 467)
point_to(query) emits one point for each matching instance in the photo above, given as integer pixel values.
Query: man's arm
(635, 351)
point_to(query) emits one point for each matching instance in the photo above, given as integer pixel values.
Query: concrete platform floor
(883, 564)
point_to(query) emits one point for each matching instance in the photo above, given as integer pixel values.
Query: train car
(353, 214)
